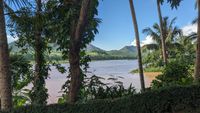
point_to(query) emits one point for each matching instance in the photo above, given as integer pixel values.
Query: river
(106, 69)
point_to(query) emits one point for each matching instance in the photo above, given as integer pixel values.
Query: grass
(149, 69)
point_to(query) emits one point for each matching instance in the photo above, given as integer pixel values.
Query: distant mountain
(92, 48)
(127, 52)
(129, 49)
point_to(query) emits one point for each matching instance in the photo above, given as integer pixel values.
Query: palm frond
(17, 3)
(174, 3)
(172, 22)
(193, 36)
(156, 27)
(195, 21)
(155, 36)
(150, 47)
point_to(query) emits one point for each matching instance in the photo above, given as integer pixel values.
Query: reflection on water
(100, 68)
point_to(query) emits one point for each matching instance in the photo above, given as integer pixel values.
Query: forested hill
(127, 52)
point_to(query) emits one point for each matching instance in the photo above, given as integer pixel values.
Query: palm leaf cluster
(177, 45)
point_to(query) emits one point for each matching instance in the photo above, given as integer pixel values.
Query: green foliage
(26, 25)
(166, 100)
(94, 87)
(187, 50)
(21, 74)
(21, 71)
(175, 73)
(64, 18)
(152, 53)
(152, 59)
(21, 97)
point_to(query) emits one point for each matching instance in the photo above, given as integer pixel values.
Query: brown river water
(106, 69)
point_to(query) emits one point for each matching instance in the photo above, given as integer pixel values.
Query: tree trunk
(74, 50)
(197, 66)
(75, 71)
(138, 45)
(164, 52)
(5, 77)
(39, 91)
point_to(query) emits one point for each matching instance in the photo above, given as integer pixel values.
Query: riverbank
(92, 60)
(150, 70)
(152, 73)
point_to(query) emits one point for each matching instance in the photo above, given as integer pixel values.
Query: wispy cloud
(148, 40)
(188, 29)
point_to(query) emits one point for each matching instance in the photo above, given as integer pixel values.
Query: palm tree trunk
(197, 66)
(74, 51)
(5, 77)
(39, 80)
(138, 45)
(164, 52)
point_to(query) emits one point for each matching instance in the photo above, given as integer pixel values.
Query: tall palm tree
(197, 63)
(5, 77)
(170, 32)
(40, 71)
(138, 44)
(36, 32)
(174, 4)
(164, 52)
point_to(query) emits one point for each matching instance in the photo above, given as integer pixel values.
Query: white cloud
(148, 40)
(133, 43)
(188, 29)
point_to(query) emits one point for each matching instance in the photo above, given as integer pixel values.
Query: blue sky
(116, 29)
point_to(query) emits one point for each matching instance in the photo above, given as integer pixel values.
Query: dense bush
(21, 76)
(174, 73)
(156, 101)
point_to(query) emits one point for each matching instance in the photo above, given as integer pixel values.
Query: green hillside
(127, 52)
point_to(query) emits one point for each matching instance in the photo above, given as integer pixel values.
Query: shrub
(166, 100)
(175, 73)
(95, 87)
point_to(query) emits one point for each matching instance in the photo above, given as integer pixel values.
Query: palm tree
(196, 36)
(164, 53)
(40, 71)
(36, 32)
(5, 77)
(197, 66)
(5, 73)
(170, 33)
(174, 4)
(187, 47)
(138, 45)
